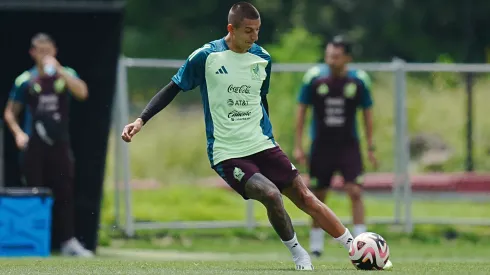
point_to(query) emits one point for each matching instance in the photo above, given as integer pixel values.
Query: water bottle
(49, 69)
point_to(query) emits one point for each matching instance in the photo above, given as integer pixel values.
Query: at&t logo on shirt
(238, 102)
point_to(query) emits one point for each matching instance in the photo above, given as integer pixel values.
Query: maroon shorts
(326, 160)
(272, 163)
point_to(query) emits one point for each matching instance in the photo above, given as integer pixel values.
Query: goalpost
(402, 191)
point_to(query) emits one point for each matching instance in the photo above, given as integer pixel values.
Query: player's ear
(229, 27)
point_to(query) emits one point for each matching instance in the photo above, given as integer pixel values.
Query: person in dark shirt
(335, 93)
(43, 93)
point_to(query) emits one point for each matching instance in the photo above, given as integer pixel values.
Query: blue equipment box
(25, 222)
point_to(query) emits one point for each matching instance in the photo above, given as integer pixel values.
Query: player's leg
(321, 167)
(32, 164)
(276, 166)
(244, 176)
(61, 180)
(305, 200)
(261, 189)
(319, 188)
(351, 169)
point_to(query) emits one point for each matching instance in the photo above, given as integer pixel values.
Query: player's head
(243, 25)
(338, 53)
(41, 46)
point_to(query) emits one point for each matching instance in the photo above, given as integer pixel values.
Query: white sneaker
(303, 262)
(388, 265)
(73, 248)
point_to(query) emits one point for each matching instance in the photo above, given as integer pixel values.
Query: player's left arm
(75, 85)
(367, 106)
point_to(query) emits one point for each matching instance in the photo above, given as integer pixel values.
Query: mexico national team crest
(255, 71)
(350, 90)
(322, 89)
(238, 174)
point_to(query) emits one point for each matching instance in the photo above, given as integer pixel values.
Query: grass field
(407, 258)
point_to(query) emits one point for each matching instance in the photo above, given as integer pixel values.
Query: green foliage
(445, 80)
(389, 28)
(296, 45)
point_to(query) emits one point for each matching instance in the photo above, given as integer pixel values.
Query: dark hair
(240, 11)
(344, 43)
(42, 37)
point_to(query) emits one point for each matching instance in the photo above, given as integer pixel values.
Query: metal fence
(402, 191)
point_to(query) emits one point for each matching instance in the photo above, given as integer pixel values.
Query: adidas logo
(222, 70)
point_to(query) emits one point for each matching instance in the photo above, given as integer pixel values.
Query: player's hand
(372, 159)
(299, 155)
(131, 129)
(21, 140)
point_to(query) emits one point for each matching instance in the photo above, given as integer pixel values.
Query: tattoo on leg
(262, 189)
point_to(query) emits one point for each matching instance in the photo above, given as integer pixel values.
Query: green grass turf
(409, 258)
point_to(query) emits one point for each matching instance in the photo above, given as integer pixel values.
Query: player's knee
(272, 196)
(354, 191)
(308, 199)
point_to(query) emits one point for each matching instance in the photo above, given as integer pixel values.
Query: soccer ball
(369, 251)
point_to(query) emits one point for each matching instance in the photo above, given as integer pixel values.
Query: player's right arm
(15, 105)
(366, 104)
(189, 76)
(304, 100)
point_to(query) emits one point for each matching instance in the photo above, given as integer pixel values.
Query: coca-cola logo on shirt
(243, 89)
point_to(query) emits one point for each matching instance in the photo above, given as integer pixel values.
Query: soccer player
(233, 74)
(43, 92)
(336, 93)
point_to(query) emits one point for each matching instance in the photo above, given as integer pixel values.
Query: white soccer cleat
(73, 248)
(388, 265)
(303, 263)
(304, 267)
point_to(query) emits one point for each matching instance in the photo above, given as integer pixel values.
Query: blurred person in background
(335, 94)
(44, 93)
